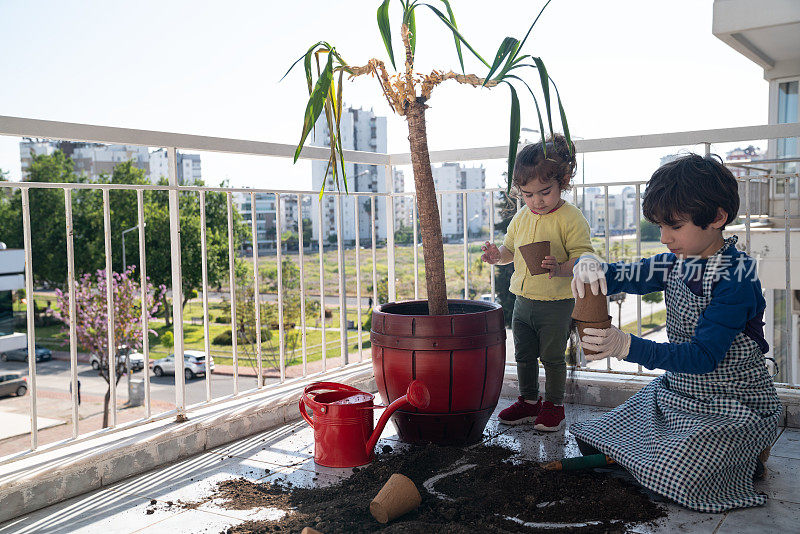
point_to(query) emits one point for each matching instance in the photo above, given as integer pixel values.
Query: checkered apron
(695, 438)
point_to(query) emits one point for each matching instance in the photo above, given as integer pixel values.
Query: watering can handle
(304, 413)
(314, 405)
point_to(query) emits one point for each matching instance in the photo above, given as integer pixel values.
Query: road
(54, 376)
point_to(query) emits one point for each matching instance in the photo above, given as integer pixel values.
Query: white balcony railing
(11, 126)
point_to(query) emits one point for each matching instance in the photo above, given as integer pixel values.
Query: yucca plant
(407, 92)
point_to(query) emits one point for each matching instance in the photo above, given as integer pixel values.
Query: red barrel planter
(460, 357)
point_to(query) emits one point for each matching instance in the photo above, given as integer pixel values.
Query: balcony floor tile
(286, 454)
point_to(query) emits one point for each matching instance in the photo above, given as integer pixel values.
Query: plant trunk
(428, 209)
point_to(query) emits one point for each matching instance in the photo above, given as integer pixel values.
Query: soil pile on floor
(455, 498)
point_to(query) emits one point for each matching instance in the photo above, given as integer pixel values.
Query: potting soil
(478, 489)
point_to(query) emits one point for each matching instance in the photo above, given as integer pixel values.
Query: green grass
(648, 323)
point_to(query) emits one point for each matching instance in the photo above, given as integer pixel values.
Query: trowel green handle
(581, 462)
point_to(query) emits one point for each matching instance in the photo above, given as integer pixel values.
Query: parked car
(21, 355)
(12, 383)
(194, 364)
(137, 361)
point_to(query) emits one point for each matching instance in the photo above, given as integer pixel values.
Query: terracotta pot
(460, 357)
(534, 254)
(591, 324)
(592, 308)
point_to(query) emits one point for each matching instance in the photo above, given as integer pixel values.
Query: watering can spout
(417, 396)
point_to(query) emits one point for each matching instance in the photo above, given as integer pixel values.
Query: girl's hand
(551, 265)
(491, 254)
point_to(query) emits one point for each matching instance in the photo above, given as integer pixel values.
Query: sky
(624, 67)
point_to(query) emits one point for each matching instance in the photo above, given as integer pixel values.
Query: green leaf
(508, 45)
(563, 118)
(534, 23)
(514, 129)
(307, 57)
(538, 111)
(316, 102)
(545, 79)
(411, 22)
(386, 32)
(458, 43)
(458, 37)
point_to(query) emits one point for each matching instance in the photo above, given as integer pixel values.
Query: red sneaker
(520, 412)
(550, 418)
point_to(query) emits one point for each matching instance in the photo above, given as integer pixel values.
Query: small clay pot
(592, 308)
(398, 496)
(309, 530)
(534, 254)
(592, 324)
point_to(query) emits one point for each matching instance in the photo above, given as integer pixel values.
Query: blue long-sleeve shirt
(737, 305)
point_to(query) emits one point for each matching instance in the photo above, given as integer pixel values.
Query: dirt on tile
(499, 493)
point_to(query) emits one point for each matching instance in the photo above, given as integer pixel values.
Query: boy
(693, 434)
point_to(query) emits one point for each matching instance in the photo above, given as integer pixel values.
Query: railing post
(73, 312)
(279, 259)
(789, 364)
(145, 310)
(256, 283)
(491, 240)
(29, 309)
(177, 284)
(465, 227)
(300, 245)
(390, 232)
(232, 288)
(112, 344)
(342, 286)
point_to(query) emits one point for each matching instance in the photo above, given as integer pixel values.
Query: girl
(543, 302)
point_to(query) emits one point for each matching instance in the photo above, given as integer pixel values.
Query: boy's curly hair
(559, 165)
(693, 186)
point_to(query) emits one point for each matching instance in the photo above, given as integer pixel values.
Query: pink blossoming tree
(91, 320)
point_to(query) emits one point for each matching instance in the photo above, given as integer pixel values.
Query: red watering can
(342, 422)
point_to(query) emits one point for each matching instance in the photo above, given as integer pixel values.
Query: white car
(194, 364)
(137, 361)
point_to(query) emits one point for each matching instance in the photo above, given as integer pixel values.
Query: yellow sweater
(568, 232)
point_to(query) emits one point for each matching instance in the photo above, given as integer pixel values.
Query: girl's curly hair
(559, 165)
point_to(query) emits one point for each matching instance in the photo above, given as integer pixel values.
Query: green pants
(541, 331)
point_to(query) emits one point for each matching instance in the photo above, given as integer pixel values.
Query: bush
(225, 337)
(167, 339)
(222, 319)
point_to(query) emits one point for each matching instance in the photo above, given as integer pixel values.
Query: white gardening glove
(607, 342)
(588, 270)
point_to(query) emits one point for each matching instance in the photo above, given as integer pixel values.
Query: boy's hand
(550, 263)
(607, 342)
(588, 270)
(491, 254)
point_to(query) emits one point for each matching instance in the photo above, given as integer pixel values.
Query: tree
(408, 93)
(91, 319)
(649, 231)
(653, 298)
(48, 231)
(619, 298)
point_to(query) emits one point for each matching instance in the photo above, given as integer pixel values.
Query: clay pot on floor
(397, 497)
(591, 324)
(460, 357)
(534, 254)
